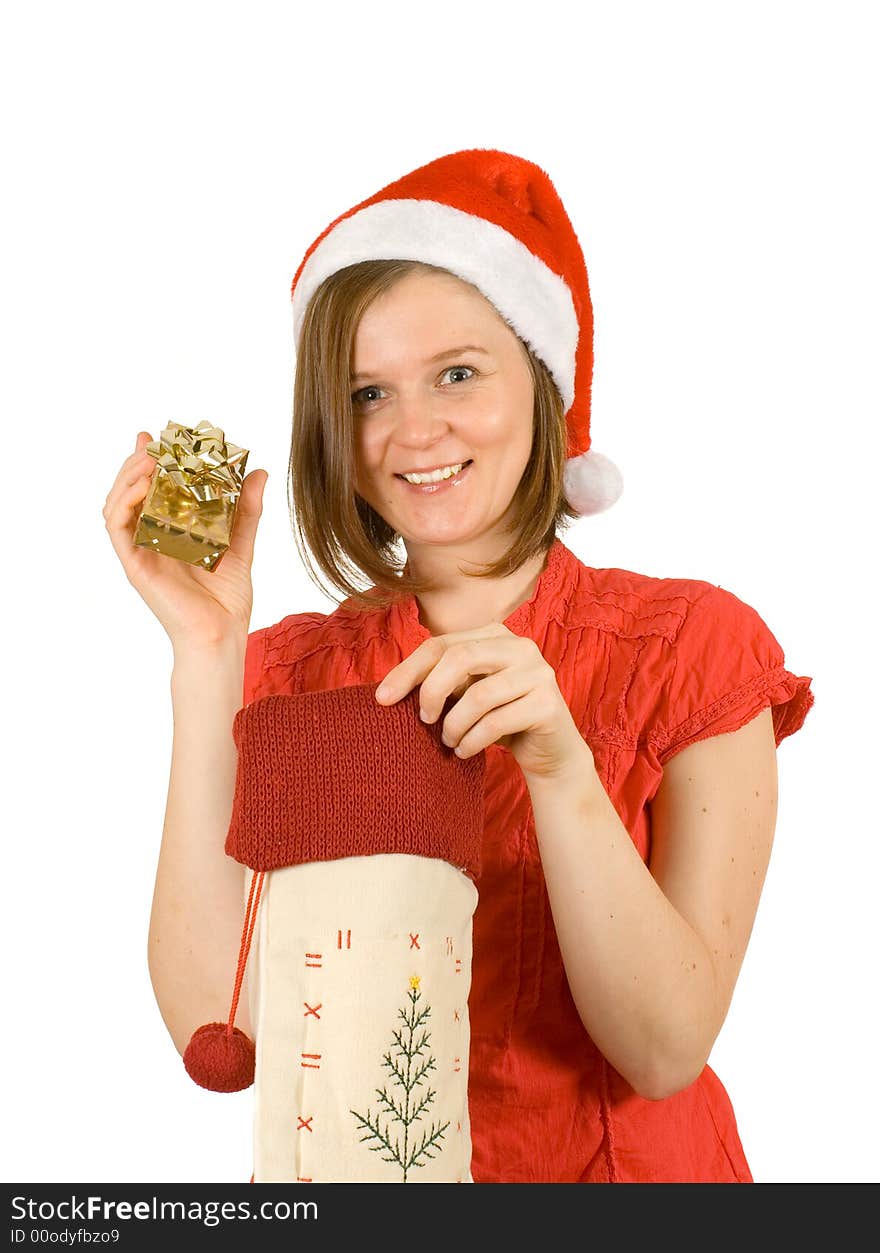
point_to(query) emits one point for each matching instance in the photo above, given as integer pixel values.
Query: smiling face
(418, 404)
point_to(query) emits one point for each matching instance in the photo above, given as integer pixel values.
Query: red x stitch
(305, 1123)
(312, 1009)
(414, 940)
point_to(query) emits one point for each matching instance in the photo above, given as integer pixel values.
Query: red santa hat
(496, 221)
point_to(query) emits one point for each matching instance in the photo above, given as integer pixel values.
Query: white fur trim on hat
(592, 482)
(528, 294)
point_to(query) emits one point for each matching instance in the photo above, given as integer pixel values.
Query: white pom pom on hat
(496, 221)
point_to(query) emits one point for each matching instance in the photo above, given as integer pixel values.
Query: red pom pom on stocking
(219, 1056)
(221, 1060)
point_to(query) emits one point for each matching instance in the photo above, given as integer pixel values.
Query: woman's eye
(358, 398)
(363, 396)
(453, 368)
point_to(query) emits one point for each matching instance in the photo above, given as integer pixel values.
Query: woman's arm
(652, 952)
(199, 900)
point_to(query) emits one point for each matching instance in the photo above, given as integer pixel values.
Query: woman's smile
(439, 485)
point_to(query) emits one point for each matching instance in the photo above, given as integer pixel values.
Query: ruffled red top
(647, 666)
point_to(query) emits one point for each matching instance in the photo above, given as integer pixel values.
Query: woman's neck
(462, 602)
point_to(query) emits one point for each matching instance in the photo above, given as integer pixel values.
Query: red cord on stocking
(219, 1056)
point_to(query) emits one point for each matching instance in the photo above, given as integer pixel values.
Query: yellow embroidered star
(414, 981)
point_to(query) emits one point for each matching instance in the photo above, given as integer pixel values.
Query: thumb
(247, 514)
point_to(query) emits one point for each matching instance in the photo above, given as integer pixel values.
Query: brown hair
(330, 520)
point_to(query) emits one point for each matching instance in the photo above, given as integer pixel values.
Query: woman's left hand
(508, 696)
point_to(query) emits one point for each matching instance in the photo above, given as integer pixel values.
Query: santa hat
(496, 221)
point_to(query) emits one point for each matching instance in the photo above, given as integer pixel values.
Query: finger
(482, 696)
(500, 723)
(123, 499)
(460, 665)
(248, 512)
(410, 671)
(136, 464)
(127, 497)
(140, 456)
(119, 520)
(414, 668)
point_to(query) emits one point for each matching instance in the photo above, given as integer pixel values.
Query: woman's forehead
(416, 325)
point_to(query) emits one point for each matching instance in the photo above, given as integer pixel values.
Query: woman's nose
(416, 417)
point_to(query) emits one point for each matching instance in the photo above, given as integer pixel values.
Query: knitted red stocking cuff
(331, 774)
(334, 774)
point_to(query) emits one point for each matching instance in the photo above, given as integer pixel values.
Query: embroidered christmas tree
(408, 1061)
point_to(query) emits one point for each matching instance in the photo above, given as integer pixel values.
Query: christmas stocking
(363, 831)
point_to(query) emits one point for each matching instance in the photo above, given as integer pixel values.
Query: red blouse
(647, 666)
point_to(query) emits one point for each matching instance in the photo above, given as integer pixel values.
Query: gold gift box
(190, 507)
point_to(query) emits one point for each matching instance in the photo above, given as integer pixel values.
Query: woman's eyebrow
(447, 352)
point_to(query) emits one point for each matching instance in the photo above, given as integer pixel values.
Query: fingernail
(423, 714)
(381, 692)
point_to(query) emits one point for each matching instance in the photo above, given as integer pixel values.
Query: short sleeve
(254, 662)
(726, 666)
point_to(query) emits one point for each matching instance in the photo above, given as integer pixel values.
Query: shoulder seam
(634, 623)
(319, 623)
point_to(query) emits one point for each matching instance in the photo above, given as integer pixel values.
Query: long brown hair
(330, 520)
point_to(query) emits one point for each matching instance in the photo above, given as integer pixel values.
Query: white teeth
(436, 476)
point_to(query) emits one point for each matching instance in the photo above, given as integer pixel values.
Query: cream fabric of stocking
(359, 981)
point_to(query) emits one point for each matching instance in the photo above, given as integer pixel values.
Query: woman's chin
(453, 532)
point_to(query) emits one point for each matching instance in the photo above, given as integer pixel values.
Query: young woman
(630, 723)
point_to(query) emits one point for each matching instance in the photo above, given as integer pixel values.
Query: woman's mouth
(431, 488)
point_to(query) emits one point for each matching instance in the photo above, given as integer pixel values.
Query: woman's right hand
(198, 608)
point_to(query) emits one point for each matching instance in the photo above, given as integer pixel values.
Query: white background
(166, 166)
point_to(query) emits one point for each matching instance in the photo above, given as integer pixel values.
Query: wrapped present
(190, 507)
(363, 831)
